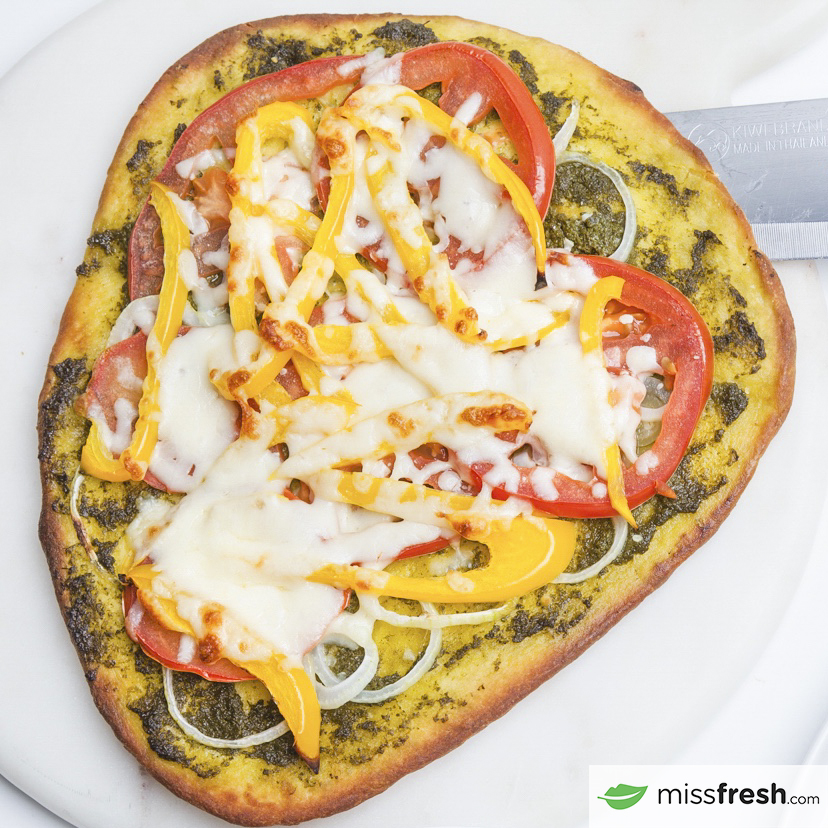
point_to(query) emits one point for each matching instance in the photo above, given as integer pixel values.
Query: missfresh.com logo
(622, 797)
(742, 796)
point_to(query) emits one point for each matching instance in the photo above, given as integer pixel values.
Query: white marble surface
(777, 707)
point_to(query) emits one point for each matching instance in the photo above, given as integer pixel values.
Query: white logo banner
(712, 796)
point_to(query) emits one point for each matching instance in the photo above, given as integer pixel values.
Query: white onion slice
(333, 691)
(330, 686)
(564, 135)
(423, 665)
(138, 314)
(194, 733)
(430, 620)
(652, 415)
(74, 513)
(622, 252)
(621, 528)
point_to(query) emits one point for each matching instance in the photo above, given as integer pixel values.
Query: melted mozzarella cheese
(284, 177)
(236, 543)
(196, 424)
(567, 390)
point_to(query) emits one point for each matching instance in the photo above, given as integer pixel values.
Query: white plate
(638, 696)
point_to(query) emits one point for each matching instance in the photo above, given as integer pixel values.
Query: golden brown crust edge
(513, 685)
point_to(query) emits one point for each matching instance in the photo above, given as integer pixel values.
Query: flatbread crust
(690, 232)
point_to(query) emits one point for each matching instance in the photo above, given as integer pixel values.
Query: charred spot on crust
(141, 167)
(113, 241)
(400, 35)
(87, 268)
(691, 486)
(729, 399)
(145, 665)
(649, 172)
(103, 552)
(687, 280)
(550, 105)
(567, 609)
(140, 157)
(737, 297)
(345, 720)
(218, 80)
(594, 539)
(656, 260)
(178, 132)
(739, 338)
(462, 651)
(488, 43)
(83, 620)
(279, 753)
(269, 54)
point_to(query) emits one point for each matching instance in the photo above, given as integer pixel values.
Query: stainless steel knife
(774, 160)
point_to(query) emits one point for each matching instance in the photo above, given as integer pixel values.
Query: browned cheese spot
(237, 379)
(400, 424)
(495, 415)
(334, 148)
(209, 648)
(272, 332)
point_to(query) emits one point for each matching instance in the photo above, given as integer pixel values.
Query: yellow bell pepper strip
(590, 328)
(245, 265)
(277, 120)
(468, 142)
(526, 551)
(290, 686)
(274, 121)
(97, 460)
(295, 696)
(430, 273)
(134, 460)
(284, 324)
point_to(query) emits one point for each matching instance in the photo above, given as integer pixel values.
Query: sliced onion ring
(329, 681)
(622, 252)
(621, 528)
(430, 620)
(194, 733)
(564, 135)
(77, 520)
(333, 691)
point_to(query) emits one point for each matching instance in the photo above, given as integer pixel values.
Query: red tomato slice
(677, 333)
(424, 548)
(216, 126)
(118, 373)
(164, 645)
(463, 70)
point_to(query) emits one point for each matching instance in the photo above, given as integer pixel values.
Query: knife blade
(773, 158)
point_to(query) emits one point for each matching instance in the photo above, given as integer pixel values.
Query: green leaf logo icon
(623, 796)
